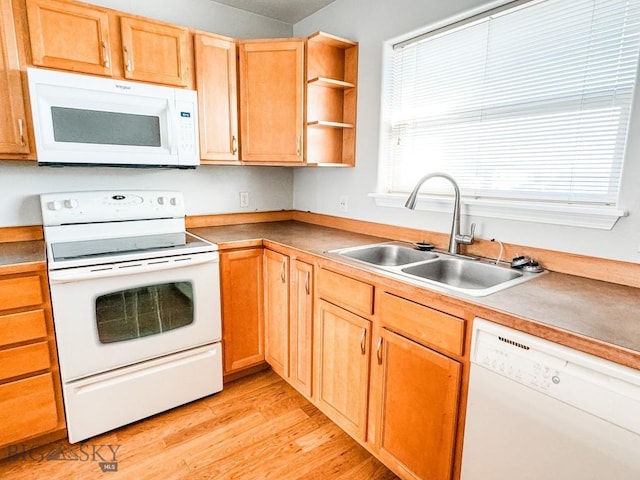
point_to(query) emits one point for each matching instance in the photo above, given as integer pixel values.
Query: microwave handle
(173, 144)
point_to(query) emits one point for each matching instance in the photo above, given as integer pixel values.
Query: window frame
(564, 213)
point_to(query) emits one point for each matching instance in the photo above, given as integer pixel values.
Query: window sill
(596, 217)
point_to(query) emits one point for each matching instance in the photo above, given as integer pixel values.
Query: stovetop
(95, 228)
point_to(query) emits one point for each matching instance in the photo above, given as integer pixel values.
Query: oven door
(109, 316)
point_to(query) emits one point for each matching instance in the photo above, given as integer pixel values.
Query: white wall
(208, 189)
(371, 23)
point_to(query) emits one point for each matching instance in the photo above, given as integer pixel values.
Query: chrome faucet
(455, 239)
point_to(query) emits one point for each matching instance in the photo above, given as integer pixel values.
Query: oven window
(105, 128)
(143, 311)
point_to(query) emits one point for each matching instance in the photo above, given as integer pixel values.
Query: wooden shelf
(325, 123)
(330, 83)
(332, 77)
(332, 40)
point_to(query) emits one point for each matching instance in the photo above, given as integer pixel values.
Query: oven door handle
(130, 268)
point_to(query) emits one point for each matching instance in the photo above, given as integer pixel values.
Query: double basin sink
(465, 275)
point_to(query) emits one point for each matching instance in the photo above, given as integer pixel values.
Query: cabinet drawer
(423, 324)
(20, 292)
(26, 359)
(348, 293)
(21, 327)
(29, 408)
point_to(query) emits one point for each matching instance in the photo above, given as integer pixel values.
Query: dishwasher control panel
(517, 361)
(601, 387)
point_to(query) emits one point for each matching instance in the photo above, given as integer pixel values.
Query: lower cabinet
(386, 369)
(276, 311)
(342, 342)
(417, 411)
(31, 409)
(289, 318)
(301, 327)
(241, 285)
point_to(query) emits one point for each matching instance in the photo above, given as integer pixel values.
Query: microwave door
(95, 121)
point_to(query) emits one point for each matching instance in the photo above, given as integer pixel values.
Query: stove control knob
(162, 200)
(175, 201)
(71, 203)
(55, 205)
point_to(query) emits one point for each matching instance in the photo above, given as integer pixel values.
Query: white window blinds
(530, 103)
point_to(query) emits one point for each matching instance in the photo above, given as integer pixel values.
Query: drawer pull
(127, 57)
(363, 344)
(21, 131)
(282, 272)
(379, 351)
(306, 283)
(105, 55)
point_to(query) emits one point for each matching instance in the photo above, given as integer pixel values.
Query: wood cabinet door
(272, 101)
(301, 327)
(12, 115)
(69, 36)
(276, 311)
(418, 407)
(342, 367)
(154, 52)
(30, 406)
(217, 84)
(241, 284)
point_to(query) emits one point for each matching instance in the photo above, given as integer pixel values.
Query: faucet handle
(467, 239)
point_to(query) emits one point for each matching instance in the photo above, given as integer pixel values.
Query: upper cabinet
(81, 38)
(155, 52)
(69, 36)
(332, 76)
(13, 124)
(288, 118)
(217, 85)
(272, 101)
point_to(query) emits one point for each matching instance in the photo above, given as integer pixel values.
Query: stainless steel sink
(461, 273)
(440, 270)
(387, 254)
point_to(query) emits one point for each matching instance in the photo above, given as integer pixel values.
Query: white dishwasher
(540, 411)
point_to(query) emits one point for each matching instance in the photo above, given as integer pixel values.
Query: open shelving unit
(332, 75)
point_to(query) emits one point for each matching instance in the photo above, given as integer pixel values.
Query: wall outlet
(344, 203)
(244, 199)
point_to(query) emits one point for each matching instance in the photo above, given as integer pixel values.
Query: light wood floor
(256, 428)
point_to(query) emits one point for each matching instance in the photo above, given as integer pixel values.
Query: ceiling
(287, 11)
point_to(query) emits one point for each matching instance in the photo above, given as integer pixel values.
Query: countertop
(28, 254)
(603, 318)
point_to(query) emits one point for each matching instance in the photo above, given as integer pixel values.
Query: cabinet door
(29, 408)
(241, 284)
(301, 327)
(154, 52)
(12, 115)
(419, 394)
(342, 367)
(276, 311)
(272, 101)
(69, 36)
(216, 81)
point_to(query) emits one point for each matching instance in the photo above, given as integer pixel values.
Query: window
(529, 103)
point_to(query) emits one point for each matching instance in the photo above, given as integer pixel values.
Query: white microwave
(85, 120)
